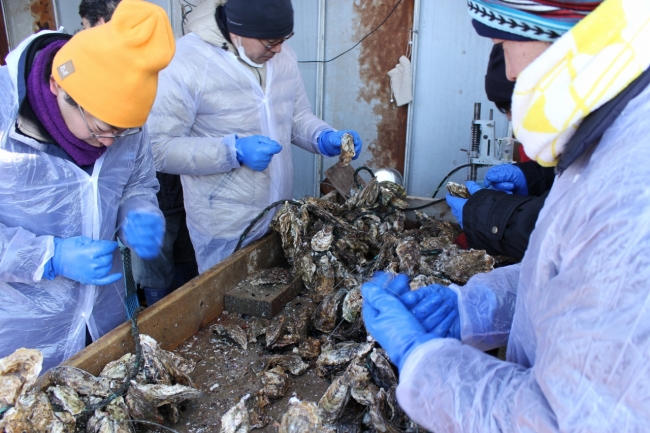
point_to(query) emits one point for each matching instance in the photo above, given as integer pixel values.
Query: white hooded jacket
(43, 196)
(206, 97)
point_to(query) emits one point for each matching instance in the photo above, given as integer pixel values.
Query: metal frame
(409, 116)
(320, 90)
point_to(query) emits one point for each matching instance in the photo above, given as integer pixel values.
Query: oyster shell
(82, 382)
(325, 315)
(18, 372)
(301, 416)
(334, 400)
(409, 256)
(463, 265)
(275, 382)
(323, 239)
(458, 190)
(233, 331)
(32, 413)
(236, 419)
(381, 370)
(256, 327)
(325, 278)
(291, 363)
(347, 149)
(309, 348)
(335, 357)
(352, 304)
(274, 330)
(67, 398)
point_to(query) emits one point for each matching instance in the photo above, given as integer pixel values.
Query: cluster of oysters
(334, 248)
(63, 400)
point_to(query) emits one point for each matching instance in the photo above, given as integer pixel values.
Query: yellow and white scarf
(587, 67)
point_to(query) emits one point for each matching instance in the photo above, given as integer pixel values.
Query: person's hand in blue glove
(82, 259)
(389, 321)
(329, 142)
(508, 178)
(256, 151)
(457, 203)
(436, 308)
(143, 232)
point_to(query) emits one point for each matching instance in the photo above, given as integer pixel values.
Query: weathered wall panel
(25, 17)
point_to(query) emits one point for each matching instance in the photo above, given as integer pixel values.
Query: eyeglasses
(268, 45)
(120, 133)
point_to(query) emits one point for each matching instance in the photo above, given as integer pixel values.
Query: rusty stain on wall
(380, 53)
(43, 15)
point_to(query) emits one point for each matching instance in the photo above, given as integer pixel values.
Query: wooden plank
(184, 312)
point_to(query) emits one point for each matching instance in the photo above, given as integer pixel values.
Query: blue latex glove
(84, 260)
(389, 321)
(508, 178)
(143, 232)
(436, 308)
(457, 203)
(329, 142)
(256, 151)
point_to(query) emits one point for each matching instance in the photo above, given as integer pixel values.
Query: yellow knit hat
(112, 70)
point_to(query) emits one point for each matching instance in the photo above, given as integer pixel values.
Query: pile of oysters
(334, 248)
(65, 399)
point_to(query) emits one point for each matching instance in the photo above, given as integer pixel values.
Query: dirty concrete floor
(225, 372)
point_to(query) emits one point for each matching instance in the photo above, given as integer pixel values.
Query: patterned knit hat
(526, 20)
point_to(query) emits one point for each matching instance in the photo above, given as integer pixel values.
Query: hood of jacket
(201, 21)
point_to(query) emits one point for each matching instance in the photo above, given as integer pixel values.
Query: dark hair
(503, 106)
(93, 10)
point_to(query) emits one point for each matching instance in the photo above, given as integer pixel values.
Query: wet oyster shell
(81, 381)
(458, 190)
(409, 256)
(347, 149)
(32, 413)
(309, 348)
(381, 370)
(275, 382)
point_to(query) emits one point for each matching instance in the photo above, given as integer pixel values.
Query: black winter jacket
(501, 223)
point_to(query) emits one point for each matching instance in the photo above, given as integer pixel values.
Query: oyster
(325, 278)
(307, 270)
(347, 149)
(325, 315)
(236, 419)
(274, 330)
(334, 400)
(67, 398)
(233, 331)
(275, 382)
(301, 416)
(367, 196)
(256, 327)
(82, 382)
(323, 239)
(335, 357)
(464, 265)
(361, 389)
(309, 348)
(381, 370)
(119, 369)
(291, 363)
(458, 190)
(32, 413)
(18, 372)
(352, 304)
(409, 256)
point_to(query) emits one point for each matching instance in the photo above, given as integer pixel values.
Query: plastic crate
(131, 296)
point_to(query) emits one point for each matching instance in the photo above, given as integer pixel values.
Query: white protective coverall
(205, 97)
(579, 341)
(43, 196)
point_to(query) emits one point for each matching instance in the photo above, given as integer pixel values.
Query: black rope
(356, 174)
(449, 175)
(257, 218)
(424, 205)
(361, 40)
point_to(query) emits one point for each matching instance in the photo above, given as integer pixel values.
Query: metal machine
(485, 149)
